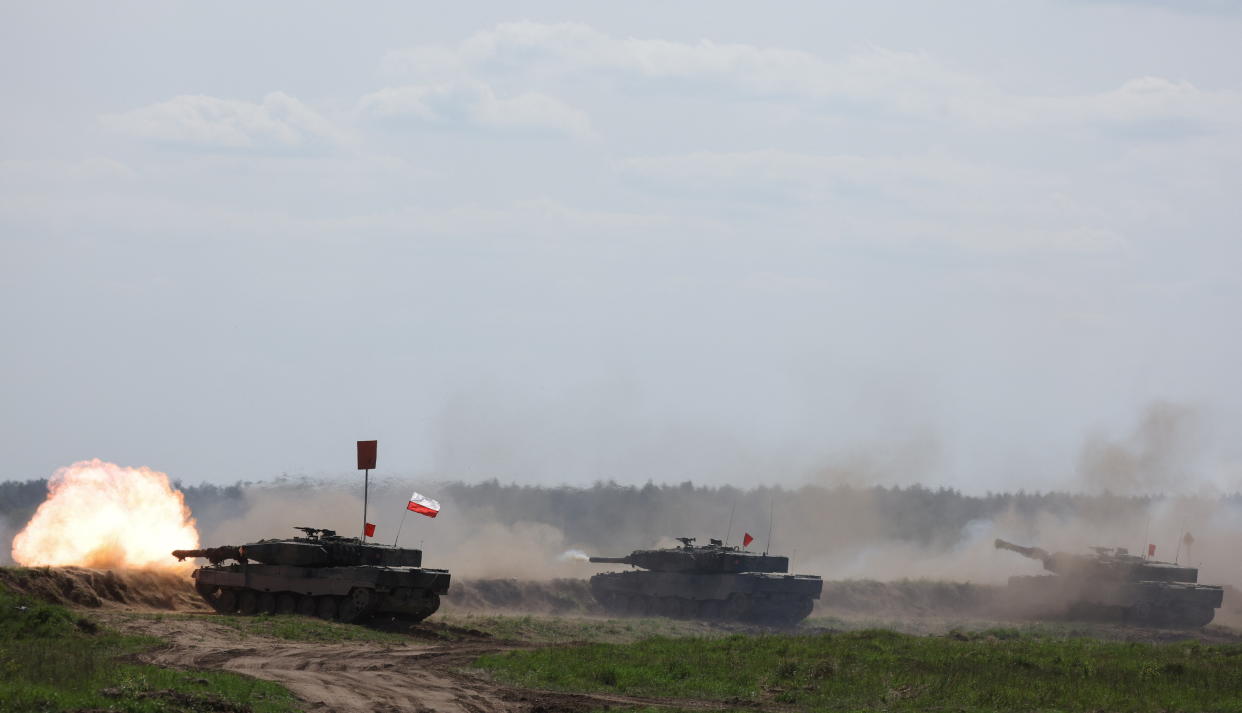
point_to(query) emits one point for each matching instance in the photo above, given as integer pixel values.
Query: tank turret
(712, 558)
(320, 573)
(1144, 590)
(712, 581)
(1115, 563)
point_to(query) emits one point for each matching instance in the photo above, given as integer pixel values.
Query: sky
(965, 244)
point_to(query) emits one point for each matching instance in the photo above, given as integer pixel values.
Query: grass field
(53, 660)
(884, 670)
(290, 628)
(546, 629)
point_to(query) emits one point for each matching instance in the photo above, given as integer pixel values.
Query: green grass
(995, 670)
(561, 630)
(54, 660)
(291, 628)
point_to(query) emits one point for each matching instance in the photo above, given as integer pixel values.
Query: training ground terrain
(88, 640)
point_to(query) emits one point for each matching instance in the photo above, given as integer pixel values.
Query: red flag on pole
(370, 530)
(1151, 550)
(747, 539)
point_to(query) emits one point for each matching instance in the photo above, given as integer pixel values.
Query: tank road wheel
(325, 607)
(428, 606)
(306, 605)
(226, 603)
(267, 603)
(357, 605)
(650, 605)
(711, 609)
(669, 607)
(613, 603)
(1196, 616)
(1141, 614)
(630, 605)
(286, 603)
(687, 608)
(1189, 616)
(208, 592)
(248, 602)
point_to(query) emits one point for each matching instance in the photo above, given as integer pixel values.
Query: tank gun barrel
(1034, 553)
(215, 555)
(611, 560)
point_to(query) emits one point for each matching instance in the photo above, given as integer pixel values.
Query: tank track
(1174, 609)
(772, 610)
(359, 605)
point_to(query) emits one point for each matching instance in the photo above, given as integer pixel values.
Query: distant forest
(603, 514)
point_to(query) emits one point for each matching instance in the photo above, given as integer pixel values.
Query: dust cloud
(839, 524)
(490, 530)
(1158, 456)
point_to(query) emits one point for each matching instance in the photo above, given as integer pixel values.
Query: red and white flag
(423, 505)
(747, 539)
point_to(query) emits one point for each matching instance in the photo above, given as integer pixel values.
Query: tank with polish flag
(423, 505)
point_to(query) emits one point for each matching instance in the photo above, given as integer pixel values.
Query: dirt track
(360, 676)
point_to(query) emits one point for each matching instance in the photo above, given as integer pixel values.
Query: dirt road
(357, 677)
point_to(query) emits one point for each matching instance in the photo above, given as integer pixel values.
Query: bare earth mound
(103, 588)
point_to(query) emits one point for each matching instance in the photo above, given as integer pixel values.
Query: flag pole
(366, 461)
(399, 526)
(366, 487)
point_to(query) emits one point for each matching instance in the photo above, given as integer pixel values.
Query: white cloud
(279, 122)
(574, 47)
(476, 104)
(904, 83)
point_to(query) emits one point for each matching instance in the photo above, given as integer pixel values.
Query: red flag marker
(366, 455)
(1151, 550)
(370, 530)
(747, 539)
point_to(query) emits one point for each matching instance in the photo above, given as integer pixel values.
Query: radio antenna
(771, 507)
(1147, 535)
(729, 531)
(1181, 538)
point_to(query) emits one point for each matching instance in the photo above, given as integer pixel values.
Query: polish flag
(423, 505)
(747, 539)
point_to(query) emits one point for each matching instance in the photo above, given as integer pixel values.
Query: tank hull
(765, 598)
(341, 593)
(1146, 603)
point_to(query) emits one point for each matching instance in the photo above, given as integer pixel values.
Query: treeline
(605, 512)
(610, 516)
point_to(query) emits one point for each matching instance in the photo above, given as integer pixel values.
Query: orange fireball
(104, 515)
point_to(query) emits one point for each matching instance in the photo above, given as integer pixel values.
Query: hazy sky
(727, 242)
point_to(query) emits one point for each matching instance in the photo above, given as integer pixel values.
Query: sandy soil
(361, 676)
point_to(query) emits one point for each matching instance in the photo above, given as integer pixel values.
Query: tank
(1113, 581)
(320, 574)
(713, 581)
